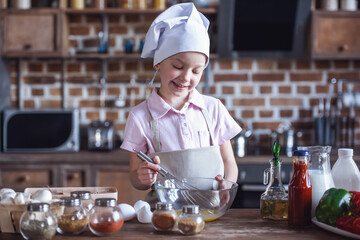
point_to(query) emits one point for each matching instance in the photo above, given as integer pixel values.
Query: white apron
(195, 162)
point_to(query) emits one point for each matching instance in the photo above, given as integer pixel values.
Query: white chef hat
(180, 28)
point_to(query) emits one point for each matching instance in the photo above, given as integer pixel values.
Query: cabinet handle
(343, 48)
(27, 46)
(73, 176)
(23, 179)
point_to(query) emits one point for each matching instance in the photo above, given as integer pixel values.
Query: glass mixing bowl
(214, 198)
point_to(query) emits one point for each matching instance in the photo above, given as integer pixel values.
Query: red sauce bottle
(299, 191)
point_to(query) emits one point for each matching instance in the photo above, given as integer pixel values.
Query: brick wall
(263, 93)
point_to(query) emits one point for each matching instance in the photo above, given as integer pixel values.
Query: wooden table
(235, 224)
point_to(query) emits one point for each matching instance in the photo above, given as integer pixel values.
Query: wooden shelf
(128, 11)
(84, 56)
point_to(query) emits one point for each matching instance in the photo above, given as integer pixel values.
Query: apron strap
(208, 123)
(154, 131)
(156, 135)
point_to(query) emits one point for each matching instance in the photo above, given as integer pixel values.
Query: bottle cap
(38, 207)
(163, 206)
(345, 152)
(105, 202)
(190, 209)
(301, 153)
(81, 194)
(70, 201)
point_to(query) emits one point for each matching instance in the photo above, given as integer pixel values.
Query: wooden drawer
(19, 180)
(335, 35)
(74, 175)
(120, 179)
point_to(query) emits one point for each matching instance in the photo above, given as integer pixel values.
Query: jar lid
(301, 153)
(105, 202)
(163, 206)
(85, 195)
(70, 201)
(38, 207)
(190, 209)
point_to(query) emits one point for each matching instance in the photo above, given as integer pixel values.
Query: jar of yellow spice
(73, 220)
(190, 220)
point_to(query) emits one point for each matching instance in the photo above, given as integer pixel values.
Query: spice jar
(38, 222)
(164, 217)
(159, 4)
(73, 220)
(190, 220)
(105, 217)
(85, 197)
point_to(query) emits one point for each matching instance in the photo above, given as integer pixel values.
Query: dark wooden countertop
(235, 224)
(119, 156)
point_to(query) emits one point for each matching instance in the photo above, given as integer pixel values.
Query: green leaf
(276, 150)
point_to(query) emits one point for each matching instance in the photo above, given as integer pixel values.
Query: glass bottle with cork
(274, 201)
(299, 190)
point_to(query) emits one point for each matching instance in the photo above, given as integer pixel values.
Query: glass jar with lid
(73, 219)
(38, 222)
(164, 217)
(105, 217)
(86, 200)
(190, 220)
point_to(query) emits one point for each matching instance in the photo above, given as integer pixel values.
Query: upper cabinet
(335, 35)
(31, 33)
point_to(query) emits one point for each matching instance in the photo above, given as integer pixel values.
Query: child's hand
(223, 195)
(147, 172)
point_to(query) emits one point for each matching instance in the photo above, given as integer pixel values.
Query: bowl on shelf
(213, 198)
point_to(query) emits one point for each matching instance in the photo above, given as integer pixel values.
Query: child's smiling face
(179, 75)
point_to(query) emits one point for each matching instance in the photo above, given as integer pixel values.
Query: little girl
(187, 132)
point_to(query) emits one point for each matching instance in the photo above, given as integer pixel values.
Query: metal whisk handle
(146, 158)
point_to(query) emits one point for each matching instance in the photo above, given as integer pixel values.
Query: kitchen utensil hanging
(346, 100)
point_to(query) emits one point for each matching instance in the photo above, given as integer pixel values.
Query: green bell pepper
(334, 203)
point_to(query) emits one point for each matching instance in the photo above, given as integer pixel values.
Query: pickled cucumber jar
(190, 220)
(164, 217)
(73, 219)
(274, 201)
(105, 217)
(38, 222)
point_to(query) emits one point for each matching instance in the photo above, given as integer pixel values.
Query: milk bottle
(345, 172)
(319, 172)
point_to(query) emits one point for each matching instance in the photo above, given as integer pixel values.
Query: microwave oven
(40, 130)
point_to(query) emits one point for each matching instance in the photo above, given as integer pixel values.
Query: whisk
(165, 173)
(191, 197)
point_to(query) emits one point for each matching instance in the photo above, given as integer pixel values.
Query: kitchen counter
(235, 224)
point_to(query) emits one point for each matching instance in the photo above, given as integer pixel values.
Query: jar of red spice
(164, 217)
(105, 217)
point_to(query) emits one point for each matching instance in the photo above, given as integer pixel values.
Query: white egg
(5, 191)
(139, 204)
(42, 195)
(144, 215)
(7, 200)
(19, 198)
(127, 211)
